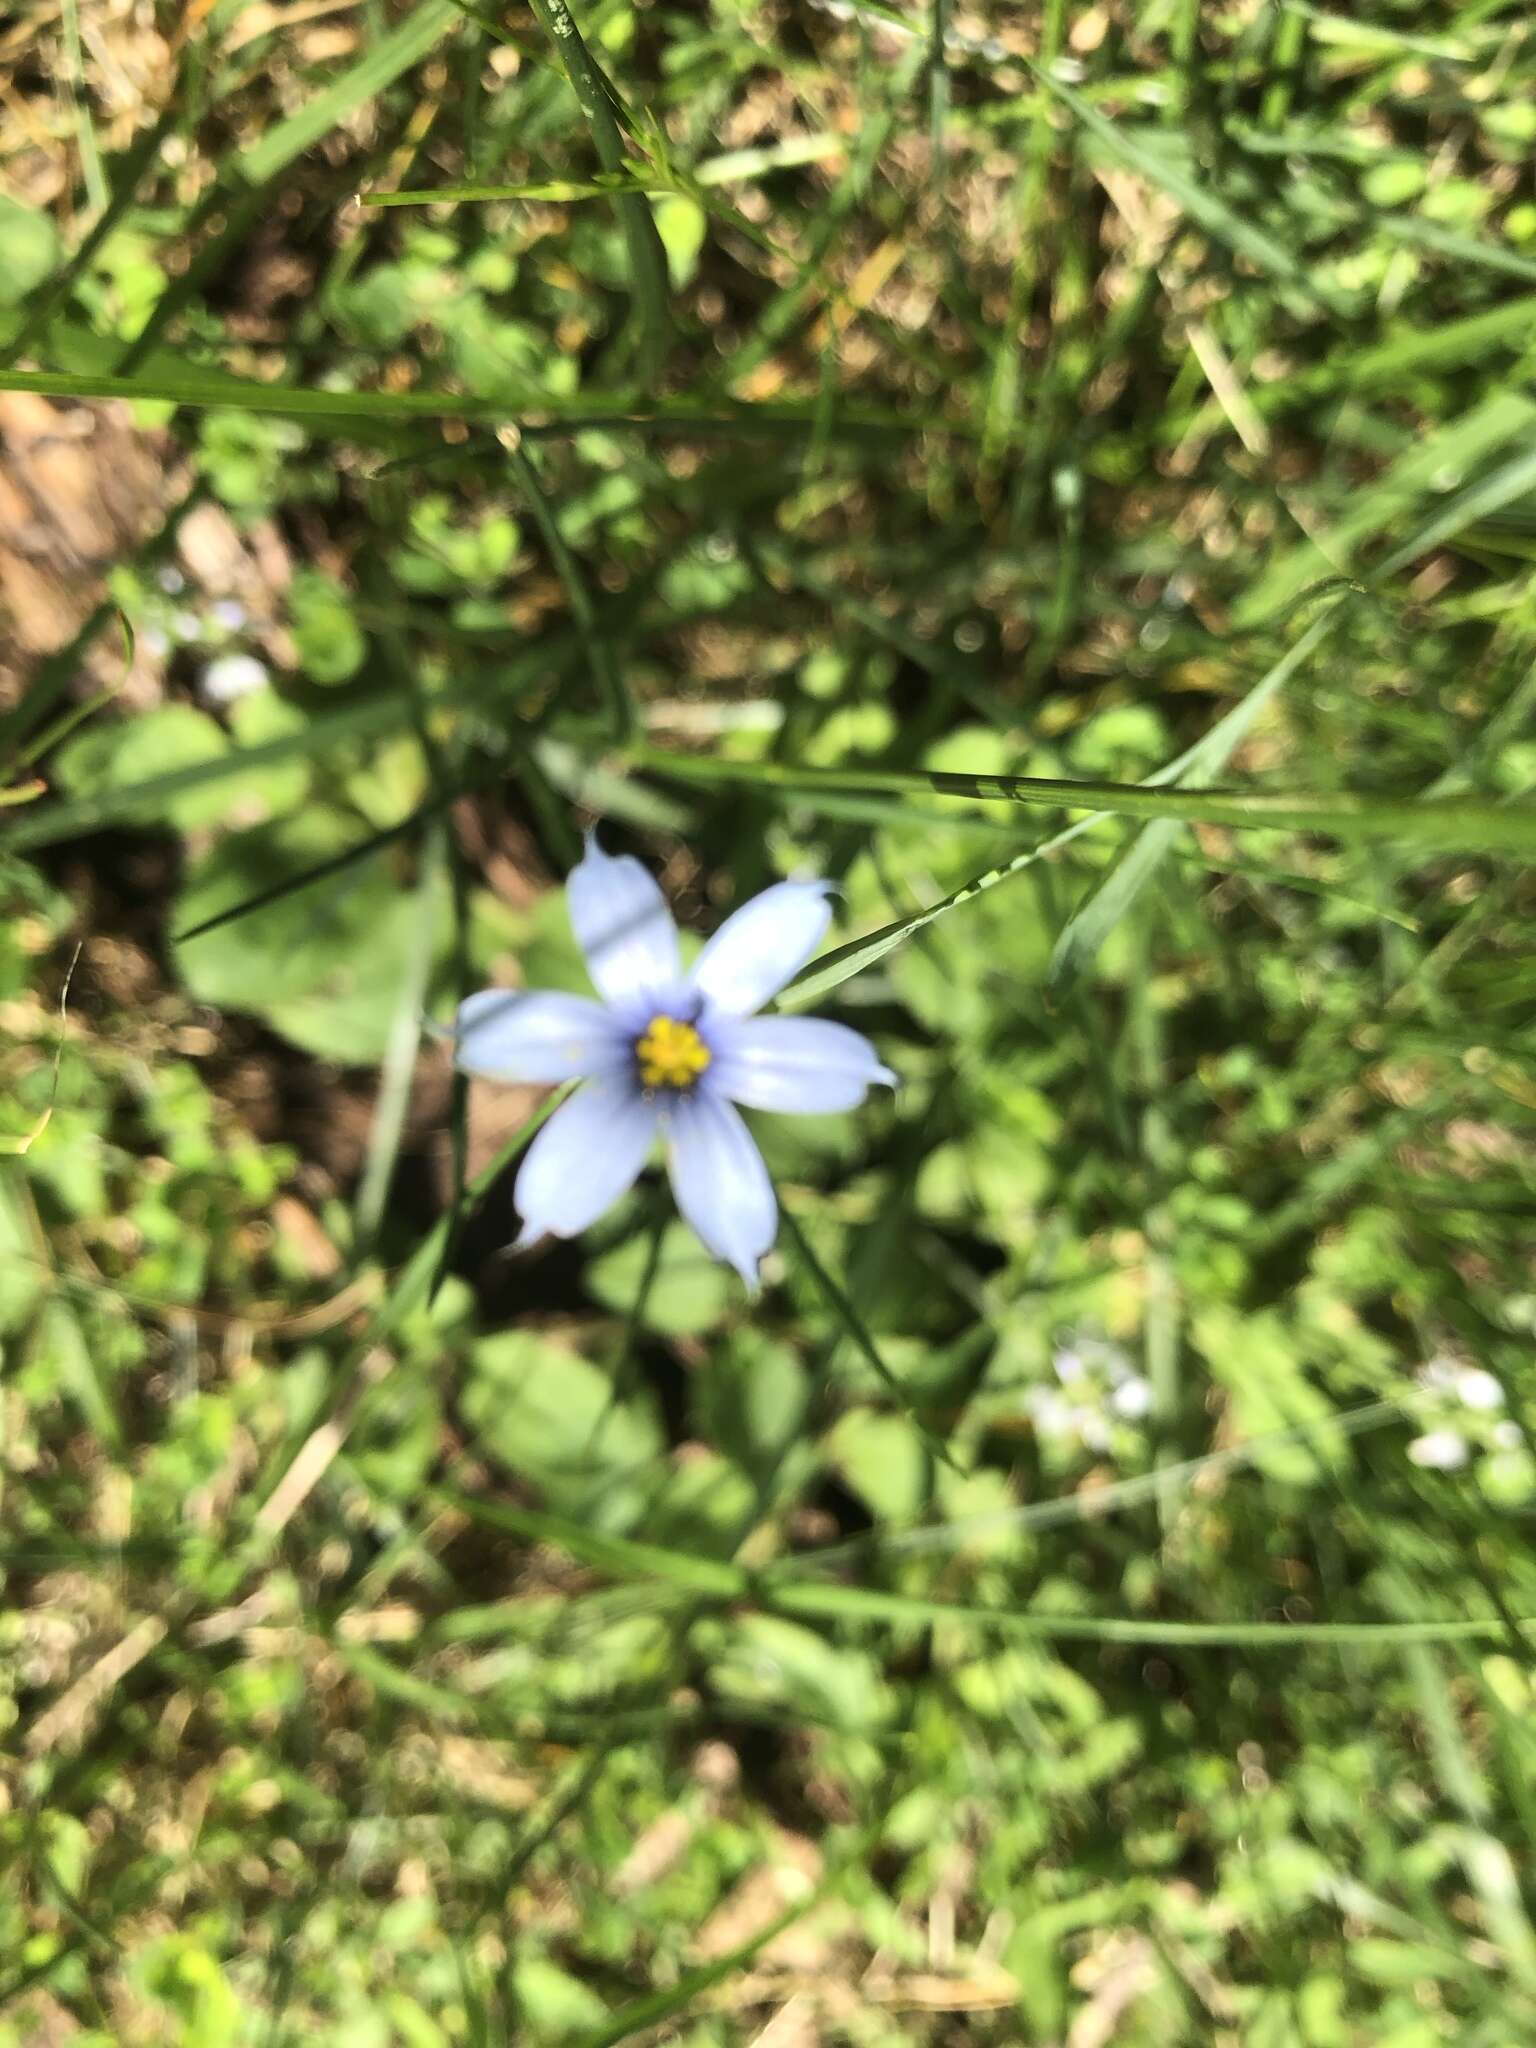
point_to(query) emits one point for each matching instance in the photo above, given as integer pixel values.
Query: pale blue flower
(667, 1054)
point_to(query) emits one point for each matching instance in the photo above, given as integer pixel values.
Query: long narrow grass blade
(1085, 932)
(1219, 220)
(600, 655)
(390, 57)
(853, 1327)
(1432, 825)
(196, 384)
(784, 1594)
(387, 1127)
(598, 103)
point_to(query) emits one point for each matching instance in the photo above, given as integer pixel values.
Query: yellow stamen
(671, 1054)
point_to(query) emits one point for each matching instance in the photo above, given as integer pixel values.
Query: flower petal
(622, 924)
(761, 945)
(535, 1035)
(586, 1156)
(802, 1065)
(720, 1181)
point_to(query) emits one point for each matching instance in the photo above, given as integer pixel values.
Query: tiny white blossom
(1439, 1450)
(1132, 1398)
(1476, 1388)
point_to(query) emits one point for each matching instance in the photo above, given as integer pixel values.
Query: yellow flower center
(671, 1054)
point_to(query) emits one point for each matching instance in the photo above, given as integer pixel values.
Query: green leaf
(151, 748)
(322, 965)
(689, 1292)
(330, 641)
(31, 244)
(550, 1415)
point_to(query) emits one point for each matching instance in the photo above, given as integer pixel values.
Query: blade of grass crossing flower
(647, 257)
(1085, 932)
(825, 974)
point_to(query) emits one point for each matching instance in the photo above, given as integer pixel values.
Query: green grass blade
(1087, 929)
(784, 1594)
(600, 655)
(1222, 222)
(1459, 248)
(147, 800)
(825, 974)
(198, 385)
(387, 1126)
(620, 1556)
(853, 1328)
(1430, 825)
(389, 58)
(128, 173)
(552, 191)
(644, 2015)
(647, 258)
(1481, 500)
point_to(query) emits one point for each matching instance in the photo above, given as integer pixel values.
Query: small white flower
(1050, 1412)
(1092, 1429)
(1476, 1388)
(1069, 1366)
(229, 613)
(1508, 1434)
(232, 676)
(1132, 1398)
(1439, 1376)
(1439, 1450)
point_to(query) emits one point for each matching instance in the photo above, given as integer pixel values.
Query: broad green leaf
(151, 747)
(689, 1292)
(31, 244)
(549, 1414)
(323, 964)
